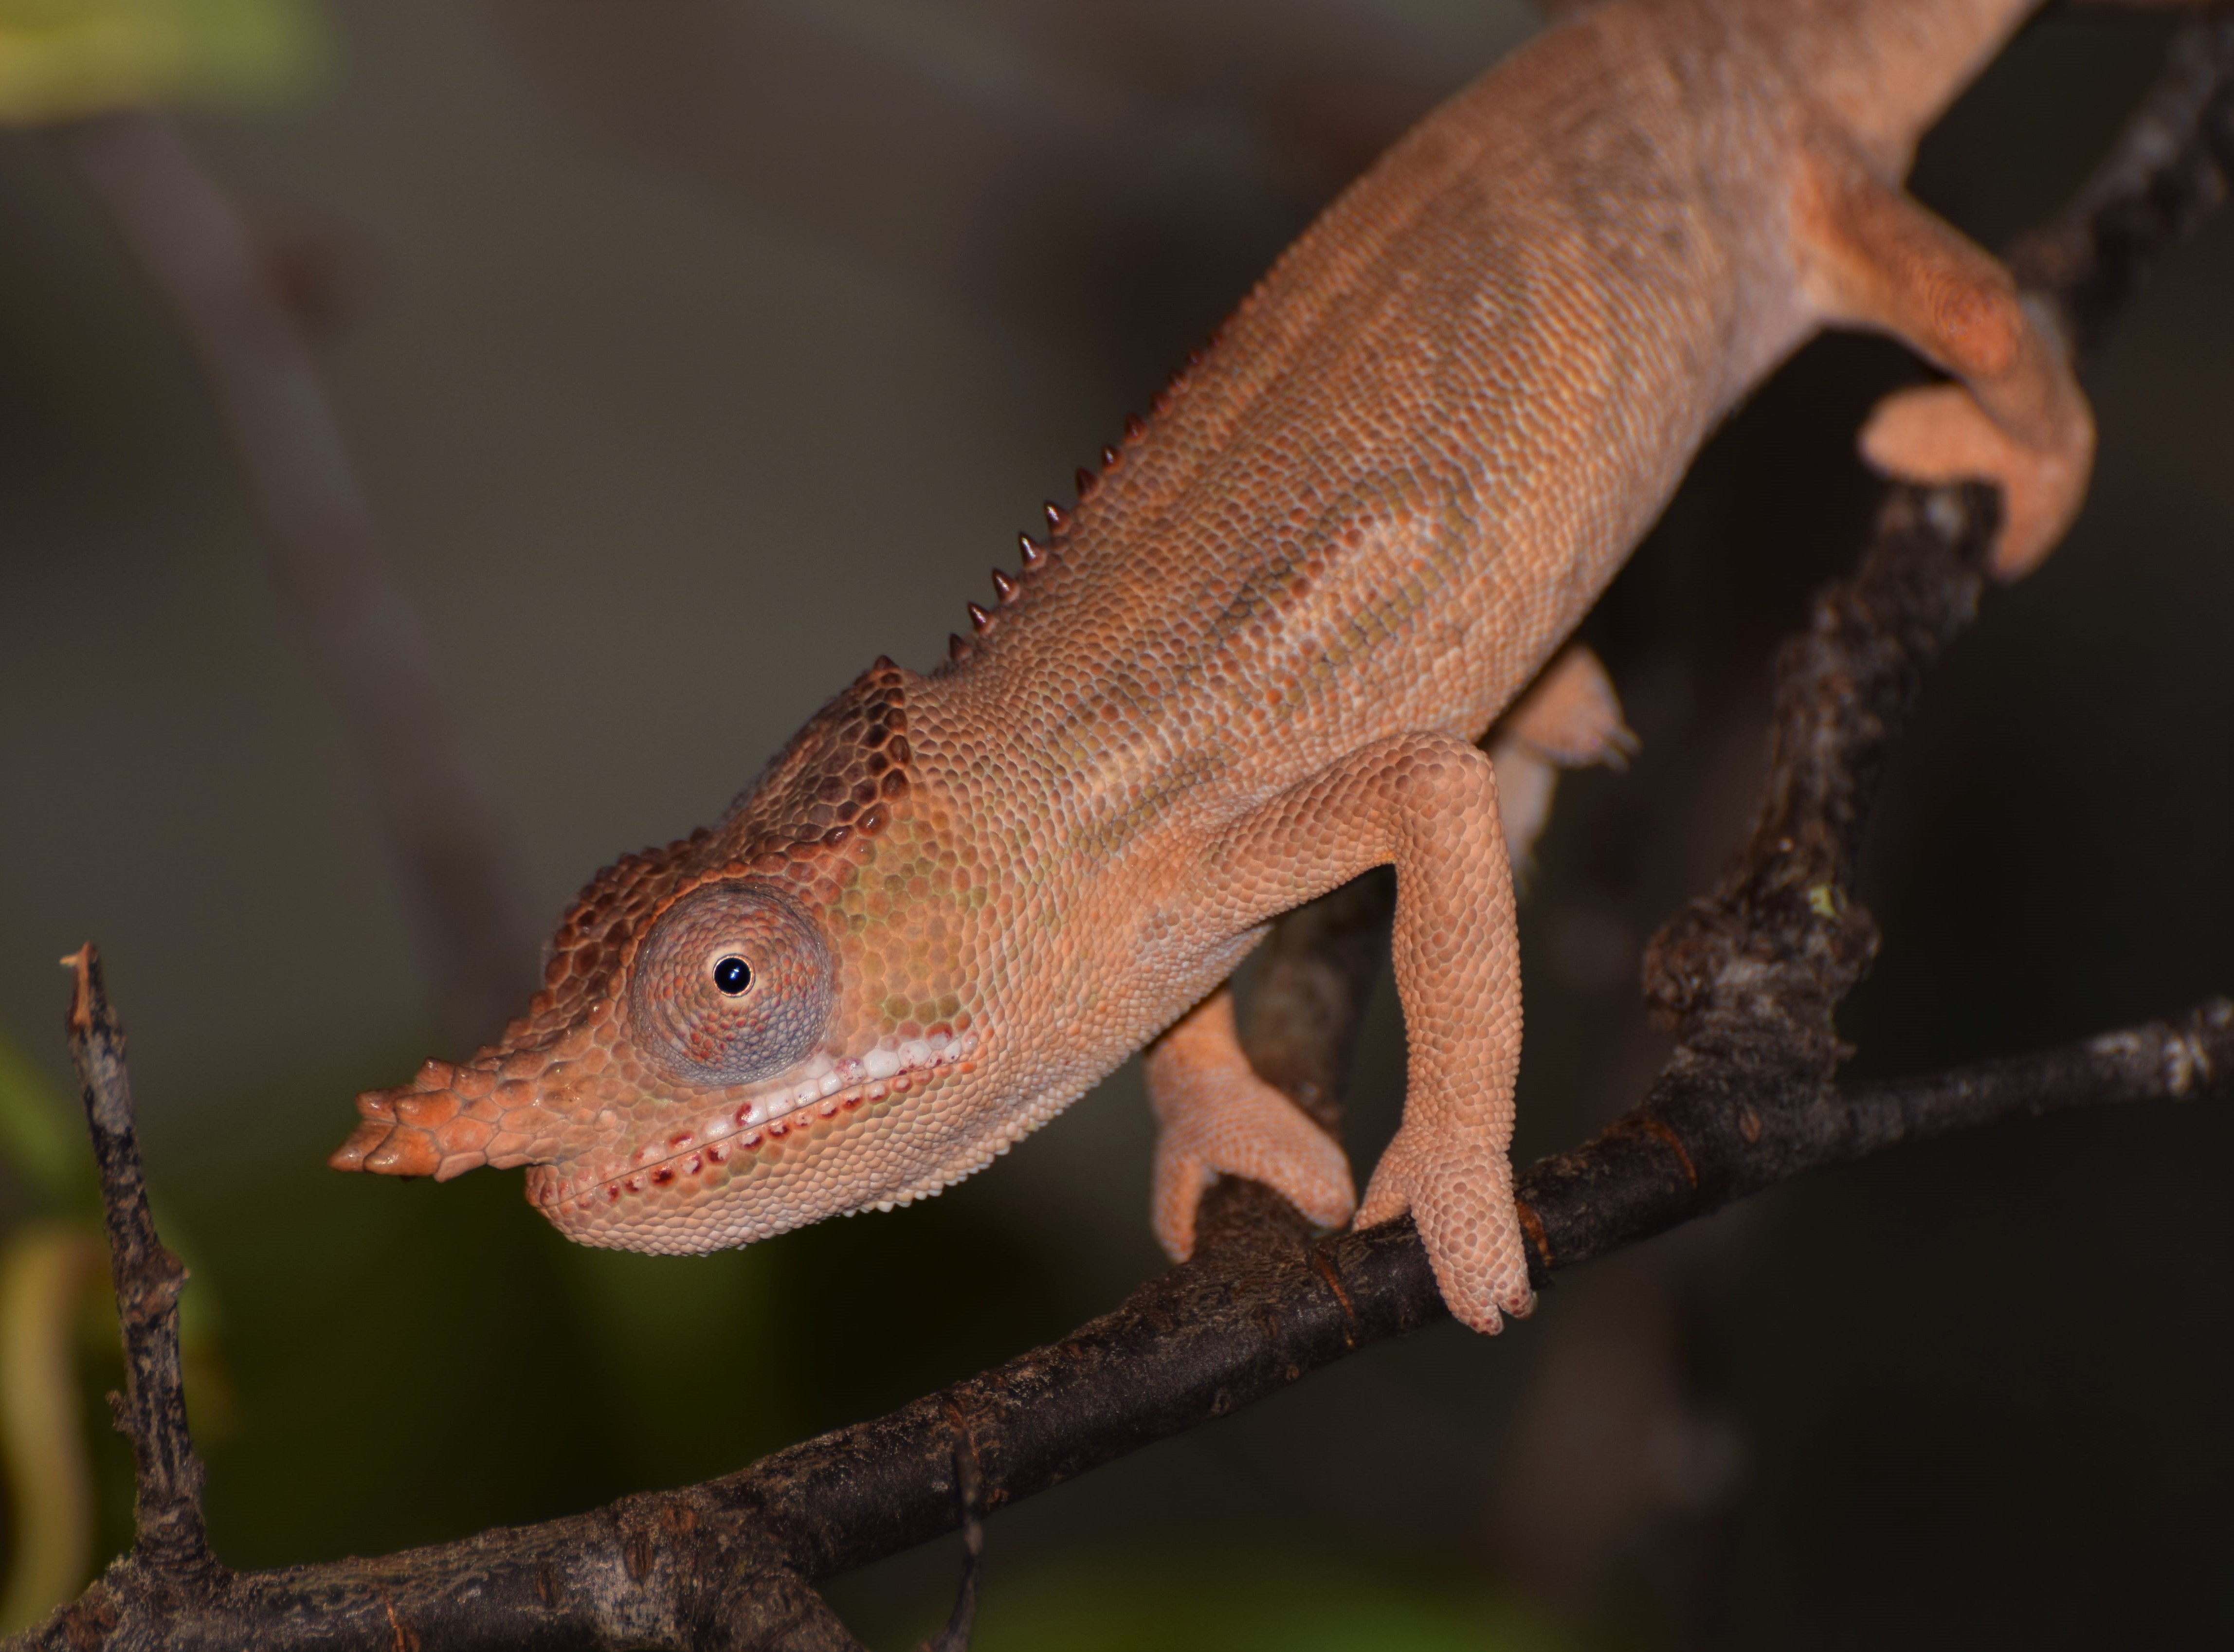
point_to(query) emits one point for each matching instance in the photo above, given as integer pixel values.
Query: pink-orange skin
(836, 824)
(1254, 660)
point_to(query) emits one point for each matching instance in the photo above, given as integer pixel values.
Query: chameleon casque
(1255, 662)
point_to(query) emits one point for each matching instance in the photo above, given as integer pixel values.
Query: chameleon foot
(1939, 434)
(1458, 1184)
(1217, 1117)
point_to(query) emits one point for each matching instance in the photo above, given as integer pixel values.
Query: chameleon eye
(735, 982)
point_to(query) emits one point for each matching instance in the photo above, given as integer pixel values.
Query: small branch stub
(172, 1540)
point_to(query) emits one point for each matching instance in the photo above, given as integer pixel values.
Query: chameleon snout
(448, 1121)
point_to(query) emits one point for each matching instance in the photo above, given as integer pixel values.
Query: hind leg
(1871, 256)
(1569, 718)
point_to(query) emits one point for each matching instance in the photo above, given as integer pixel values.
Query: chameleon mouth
(748, 1130)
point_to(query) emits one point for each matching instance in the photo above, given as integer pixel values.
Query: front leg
(1427, 803)
(1214, 1116)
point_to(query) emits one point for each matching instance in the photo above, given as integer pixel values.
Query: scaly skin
(1256, 661)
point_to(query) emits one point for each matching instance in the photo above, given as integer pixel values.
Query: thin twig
(361, 632)
(2170, 169)
(969, 1492)
(171, 1541)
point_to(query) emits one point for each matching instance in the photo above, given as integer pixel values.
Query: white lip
(867, 1077)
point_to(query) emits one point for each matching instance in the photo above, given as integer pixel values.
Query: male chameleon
(1255, 662)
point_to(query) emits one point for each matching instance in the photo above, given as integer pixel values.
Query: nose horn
(415, 1130)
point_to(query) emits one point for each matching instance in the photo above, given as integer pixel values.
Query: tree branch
(721, 1564)
(1749, 976)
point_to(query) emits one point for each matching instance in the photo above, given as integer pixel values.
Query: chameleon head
(760, 1026)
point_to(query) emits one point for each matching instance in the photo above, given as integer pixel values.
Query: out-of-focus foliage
(63, 58)
(45, 1270)
(56, 1315)
(1232, 1600)
(40, 1142)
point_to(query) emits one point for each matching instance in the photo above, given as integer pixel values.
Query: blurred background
(691, 353)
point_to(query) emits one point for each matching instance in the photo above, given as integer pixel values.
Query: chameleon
(1257, 658)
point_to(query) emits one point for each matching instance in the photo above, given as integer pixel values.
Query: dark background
(693, 354)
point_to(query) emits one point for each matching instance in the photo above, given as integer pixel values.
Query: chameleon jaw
(450, 1120)
(828, 1089)
(662, 1197)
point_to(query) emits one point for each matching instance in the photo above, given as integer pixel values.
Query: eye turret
(733, 983)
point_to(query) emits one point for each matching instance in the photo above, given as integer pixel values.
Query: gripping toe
(1458, 1190)
(1939, 434)
(1217, 1118)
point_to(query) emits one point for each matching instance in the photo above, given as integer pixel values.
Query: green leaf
(64, 58)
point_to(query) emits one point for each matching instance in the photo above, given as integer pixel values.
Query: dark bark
(2170, 170)
(1750, 976)
(1317, 970)
(1262, 1305)
(170, 1550)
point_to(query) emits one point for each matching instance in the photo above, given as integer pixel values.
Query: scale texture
(1257, 659)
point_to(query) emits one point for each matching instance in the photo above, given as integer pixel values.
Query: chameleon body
(1255, 660)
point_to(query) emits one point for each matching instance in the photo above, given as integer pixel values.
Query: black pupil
(733, 976)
